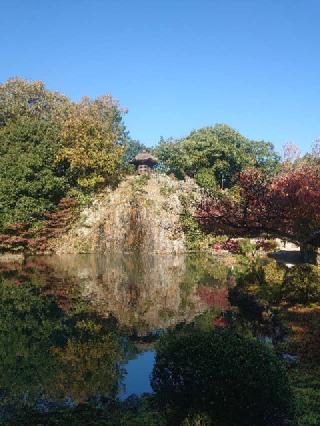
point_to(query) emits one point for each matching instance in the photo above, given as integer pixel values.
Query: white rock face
(142, 214)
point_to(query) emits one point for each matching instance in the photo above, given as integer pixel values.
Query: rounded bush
(233, 379)
(302, 284)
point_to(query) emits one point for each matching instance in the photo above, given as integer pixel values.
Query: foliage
(241, 246)
(194, 235)
(30, 99)
(264, 279)
(305, 384)
(233, 379)
(47, 354)
(288, 205)
(249, 306)
(92, 136)
(112, 413)
(50, 146)
(302, 284)
(25, 236)
(166, 190)
(309, 348)
(206, 178)
(30, 182)
(266, 245)
(304, 375)
(214, 156)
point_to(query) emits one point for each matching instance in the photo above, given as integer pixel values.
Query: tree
(233, 379)
(30, 181)
(93, 136)
(286, 205)
(22, 98)
(214, 156)
(49, 145)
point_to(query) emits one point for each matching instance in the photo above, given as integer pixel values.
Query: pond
(75, 328)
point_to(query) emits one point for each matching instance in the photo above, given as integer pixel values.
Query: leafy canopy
(30, 180)
(93, 136)
(50, 145)
(22, 98)
(286, 205)
(215, 156)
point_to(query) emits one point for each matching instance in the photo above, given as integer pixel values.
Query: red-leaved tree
(286, 206)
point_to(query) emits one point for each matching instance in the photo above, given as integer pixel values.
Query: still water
(85, 327)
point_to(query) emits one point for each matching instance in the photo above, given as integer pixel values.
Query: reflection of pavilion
(143, 293)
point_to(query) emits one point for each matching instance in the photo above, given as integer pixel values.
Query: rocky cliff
(142, 214)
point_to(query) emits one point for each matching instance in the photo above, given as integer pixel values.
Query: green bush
(302, 284)
(233, 379)
(194, 235)
(273, 276)
(263, 279)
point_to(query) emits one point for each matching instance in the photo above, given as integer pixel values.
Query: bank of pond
(159, 340)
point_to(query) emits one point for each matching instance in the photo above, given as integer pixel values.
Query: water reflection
(71, 325)
(143, 293)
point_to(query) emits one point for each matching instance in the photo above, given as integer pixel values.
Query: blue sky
(177, 65)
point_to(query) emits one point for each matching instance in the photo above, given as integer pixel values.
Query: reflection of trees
(87, 368)
(143, 293)
(45, 354)
(210, 279)
(58, 335)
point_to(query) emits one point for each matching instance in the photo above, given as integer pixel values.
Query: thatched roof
(144, 157)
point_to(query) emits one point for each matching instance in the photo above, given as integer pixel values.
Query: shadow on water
(79, 328)
(292, 257)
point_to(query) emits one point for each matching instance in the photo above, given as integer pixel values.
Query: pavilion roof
(144, 157)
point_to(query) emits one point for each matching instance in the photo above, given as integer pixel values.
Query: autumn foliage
(22, 236)
(287, 205)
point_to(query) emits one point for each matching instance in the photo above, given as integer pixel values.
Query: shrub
(230, 245)
(249, 307)
(266, 245)
(240, 246)
(263, 279)
(233, 379)
(302, 284)
(194, 235)
(272, 278)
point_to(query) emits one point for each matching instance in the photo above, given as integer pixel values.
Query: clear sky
(177, 65)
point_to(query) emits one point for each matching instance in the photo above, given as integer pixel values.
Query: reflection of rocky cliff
(142, 214)
(143, 293)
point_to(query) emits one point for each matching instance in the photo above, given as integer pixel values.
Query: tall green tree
(30, 180)
(215, 156)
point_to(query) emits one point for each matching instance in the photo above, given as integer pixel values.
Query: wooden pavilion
(144, 162)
